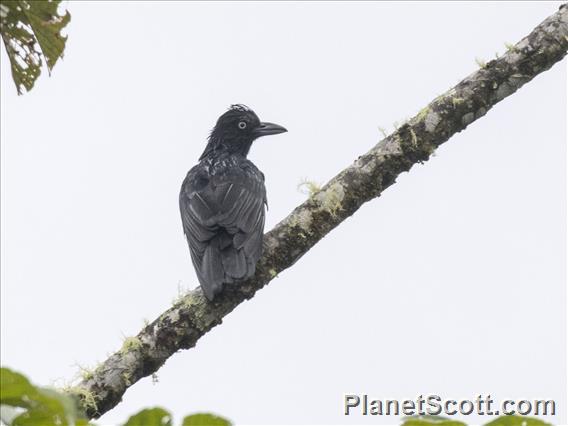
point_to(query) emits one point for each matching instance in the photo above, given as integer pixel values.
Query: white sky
(453, 282)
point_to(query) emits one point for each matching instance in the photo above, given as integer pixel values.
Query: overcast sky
(453, 282)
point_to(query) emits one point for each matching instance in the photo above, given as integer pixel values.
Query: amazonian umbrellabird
(222, 201)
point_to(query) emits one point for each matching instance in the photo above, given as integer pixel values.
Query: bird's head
(236, 130)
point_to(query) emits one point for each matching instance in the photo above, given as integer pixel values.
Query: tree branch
(181, 326)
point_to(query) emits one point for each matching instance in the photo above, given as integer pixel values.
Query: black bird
(222, 202)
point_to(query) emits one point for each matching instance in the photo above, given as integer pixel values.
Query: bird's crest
(239, 107)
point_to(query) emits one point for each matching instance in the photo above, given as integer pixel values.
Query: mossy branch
(181, 326)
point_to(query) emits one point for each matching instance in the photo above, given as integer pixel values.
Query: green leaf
(46, 407)
(430, 421)
(47, 25)
(14, 388)
(204, 419)
(42, 406)
(31, 32)
(150, 417)
(515, 420)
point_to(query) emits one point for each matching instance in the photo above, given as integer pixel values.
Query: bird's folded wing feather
(234, 203)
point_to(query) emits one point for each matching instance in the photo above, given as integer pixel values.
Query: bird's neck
(219, 146)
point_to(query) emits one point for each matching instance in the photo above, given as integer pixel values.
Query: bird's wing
(223, 220)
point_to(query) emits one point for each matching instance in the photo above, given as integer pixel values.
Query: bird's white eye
(242, 125)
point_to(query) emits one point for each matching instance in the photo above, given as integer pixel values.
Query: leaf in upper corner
(430, 421)
(204, 419)
(31, 31)
(47, 25)
(515, 420)
(150, 417)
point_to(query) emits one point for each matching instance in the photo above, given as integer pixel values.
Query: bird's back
(222, 203)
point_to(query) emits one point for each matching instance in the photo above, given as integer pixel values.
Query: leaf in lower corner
(42, 406)
(204, 419)
(31, 31)
(15, 388)
(430, 421)
(515, 420)
(150, 417)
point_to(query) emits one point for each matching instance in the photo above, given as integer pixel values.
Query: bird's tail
(222, 263)
(212, 274)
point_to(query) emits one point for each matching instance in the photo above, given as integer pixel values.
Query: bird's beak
(265, 129)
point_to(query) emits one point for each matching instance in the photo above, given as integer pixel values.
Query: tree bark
(181, 326)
